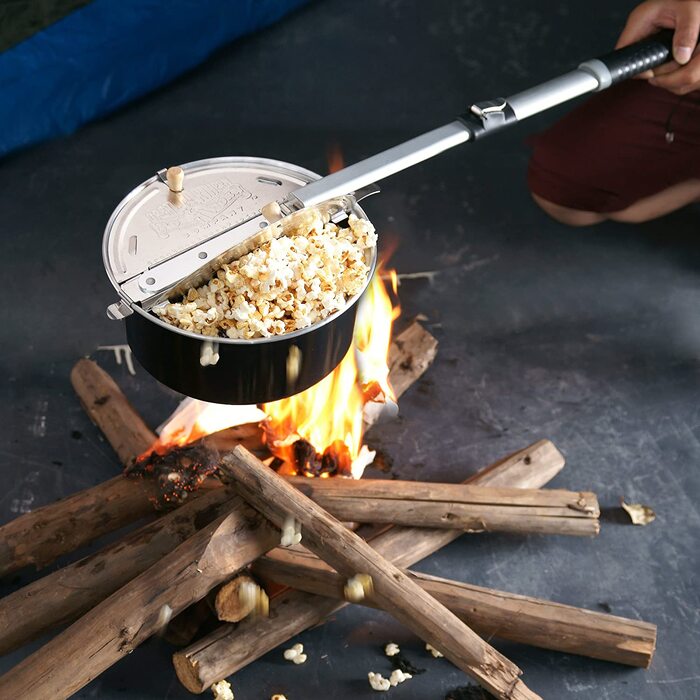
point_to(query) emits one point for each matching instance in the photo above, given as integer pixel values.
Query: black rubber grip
(636, 58)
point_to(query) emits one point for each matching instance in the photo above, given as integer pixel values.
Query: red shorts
(619, 146)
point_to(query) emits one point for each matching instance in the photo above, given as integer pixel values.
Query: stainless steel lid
(154, 224)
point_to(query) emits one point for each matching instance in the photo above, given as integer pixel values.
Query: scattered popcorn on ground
(437, 654)
(391, 649)
(398, 676)
(295, 654)
(253, 599)
(285, 285)
(378, 682)
(358, 587)
(291, 532)
(222, 691)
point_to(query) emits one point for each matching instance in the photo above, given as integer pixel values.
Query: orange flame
(331, 411)
(334, 156)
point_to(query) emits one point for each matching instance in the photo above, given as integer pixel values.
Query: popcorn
(222, 691)
(358, 587)
(286, 284)
(278, 696)
(295, 654)
(291, 532)
(391, 649)
(398, 676)
(437, 654)
(378, 682)
(253, 599)
(164, 615)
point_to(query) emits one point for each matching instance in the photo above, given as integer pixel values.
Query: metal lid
(153, 224)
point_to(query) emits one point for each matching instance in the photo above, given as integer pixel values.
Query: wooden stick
(110, 410)
(392, 590)
(39, 537)
(115, 627)
(411, 353)
(228, 603)
(517, 618)
(228, 649)
(455, 506)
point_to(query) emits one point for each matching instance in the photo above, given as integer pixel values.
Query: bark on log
(230, 648)
(493, 613)
(456, 506)
(392, 590)
(119, 624)
(110, 410)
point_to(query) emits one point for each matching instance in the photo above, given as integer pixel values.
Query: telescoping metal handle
(489, 116)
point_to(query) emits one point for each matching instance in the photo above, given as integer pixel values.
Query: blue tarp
(109, 52)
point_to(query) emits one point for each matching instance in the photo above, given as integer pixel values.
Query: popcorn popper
(176, 229)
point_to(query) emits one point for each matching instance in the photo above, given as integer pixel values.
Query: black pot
(247, 372)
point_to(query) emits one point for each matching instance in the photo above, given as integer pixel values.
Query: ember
(334, 460)
(177, 472)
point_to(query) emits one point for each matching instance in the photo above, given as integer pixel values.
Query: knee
(566, 215)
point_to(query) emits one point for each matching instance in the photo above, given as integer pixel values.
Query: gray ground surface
(590, 338)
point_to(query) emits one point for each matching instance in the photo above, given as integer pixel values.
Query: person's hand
(682, 75)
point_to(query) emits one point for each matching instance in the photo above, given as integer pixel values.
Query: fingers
(682, 75)
(664, 69)
(681, 81)
(687, 23)
(659, 70)
(641, 22)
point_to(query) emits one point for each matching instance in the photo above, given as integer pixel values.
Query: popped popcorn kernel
(291, 532)
(391, 649)
(378, 682)
(254, 600)
(437, 654)
(398, 676)
(287, 284)
(358, 587)
(295, 654)
(222, 691)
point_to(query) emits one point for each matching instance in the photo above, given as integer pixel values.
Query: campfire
(233, 478)
(316, 433)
